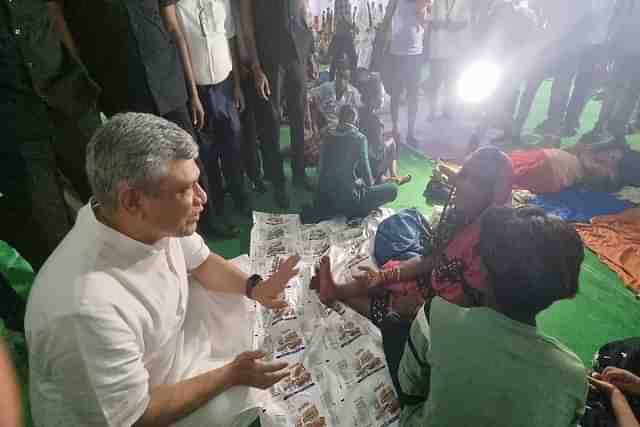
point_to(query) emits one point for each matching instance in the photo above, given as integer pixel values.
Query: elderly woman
(451, 268)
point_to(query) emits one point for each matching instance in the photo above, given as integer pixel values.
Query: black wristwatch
(252, 282)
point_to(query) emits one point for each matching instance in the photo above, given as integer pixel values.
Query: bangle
(251, 284)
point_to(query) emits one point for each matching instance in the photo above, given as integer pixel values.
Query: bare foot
(328, 288)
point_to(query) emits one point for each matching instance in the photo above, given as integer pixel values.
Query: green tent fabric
(603, 311)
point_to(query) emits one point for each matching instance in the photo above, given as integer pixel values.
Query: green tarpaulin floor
(604, 309)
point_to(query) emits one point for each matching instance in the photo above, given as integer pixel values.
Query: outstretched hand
(369, 278)
(269, 292)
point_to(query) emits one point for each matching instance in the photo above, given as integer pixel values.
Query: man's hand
(247, 369)
(197, 112)
(623, 379)
(262, 83)
(269, 292)
(238, 98)
(313, 68)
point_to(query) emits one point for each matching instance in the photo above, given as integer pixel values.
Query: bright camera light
(478, 82)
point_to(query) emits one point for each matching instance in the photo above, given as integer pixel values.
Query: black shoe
(303, 182)
(280, 197)
(259, 186)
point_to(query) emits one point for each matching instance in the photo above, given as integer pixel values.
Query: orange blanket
(616, 240)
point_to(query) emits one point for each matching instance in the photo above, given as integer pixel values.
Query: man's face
(173, 210)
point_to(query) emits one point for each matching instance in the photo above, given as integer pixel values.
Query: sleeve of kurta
(195, 251)
(111, 361)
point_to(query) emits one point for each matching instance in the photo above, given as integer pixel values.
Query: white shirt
(110, 317)
(446, 43)
(407, 34)
(208, 25)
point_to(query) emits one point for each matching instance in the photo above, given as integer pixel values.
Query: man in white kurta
(117, 334)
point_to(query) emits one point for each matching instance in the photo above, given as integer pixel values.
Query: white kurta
(448, 44)
(109, 318)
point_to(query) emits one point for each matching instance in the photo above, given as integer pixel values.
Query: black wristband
(252, 282)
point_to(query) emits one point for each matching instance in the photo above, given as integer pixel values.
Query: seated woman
(452, 268)
(491, 365)
(325, 103)
(345, 184)
(383, 153)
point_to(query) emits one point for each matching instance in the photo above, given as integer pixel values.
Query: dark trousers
(250, 155)
(590, 76)
(182, 118)
(288, 79)
(221, 138)
(624, 93)
(33, 215)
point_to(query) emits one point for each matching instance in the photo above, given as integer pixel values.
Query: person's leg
(395, 91)
(296, 93)
(33, 215)
(374, 197)
(210, 224)
(583, 87)
(628, 92)
(250, 136)
(227, 127)
(413, 72)
(268, 119)
(564, 73)
(73, 135)
(433, 84)
(531, 87)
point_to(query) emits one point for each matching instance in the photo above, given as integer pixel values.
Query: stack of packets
(338, 373)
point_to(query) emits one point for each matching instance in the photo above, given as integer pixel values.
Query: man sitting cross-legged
(112, 321)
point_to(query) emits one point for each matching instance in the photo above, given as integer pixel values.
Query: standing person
(280, 42)
(47, 115)
(343, 42)
(136, 52)
(451, 40)
(407, 19)
(250, 154)
(625, 80)
(210, 34)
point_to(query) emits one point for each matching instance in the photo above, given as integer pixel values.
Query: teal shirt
(343, 159)
(476, 367)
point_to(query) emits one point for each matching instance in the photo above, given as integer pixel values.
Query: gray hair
(134, 148)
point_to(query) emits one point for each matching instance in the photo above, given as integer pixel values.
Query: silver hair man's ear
(134, 148)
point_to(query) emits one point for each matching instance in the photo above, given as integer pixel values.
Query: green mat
(603, 311)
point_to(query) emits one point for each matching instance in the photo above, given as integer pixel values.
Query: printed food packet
(373, 406)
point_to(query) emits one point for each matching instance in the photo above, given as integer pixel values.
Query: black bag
(623, 354)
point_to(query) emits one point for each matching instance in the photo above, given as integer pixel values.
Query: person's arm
(621, 408)
(171, 402)
(219, 275)
(10, 408)
(237, 77)
(170, 20)
(56, 11)
(246, 20)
